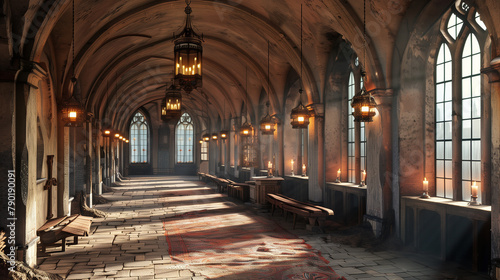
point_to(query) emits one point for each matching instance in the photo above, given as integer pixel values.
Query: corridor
(179, 228)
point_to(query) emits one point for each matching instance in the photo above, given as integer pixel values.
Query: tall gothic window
(184, 139)
(356, 138)
(351, 132)
(139, 132)
(443, 123)
(458, 92)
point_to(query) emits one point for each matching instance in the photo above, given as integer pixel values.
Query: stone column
(237, 151)
(315, 153)
(379, 205)
(25, 129)
(171, 146)
(493, 73)
(278, 148)
(227, 158)
(88, 162)
(7, 142)
(107, 161)
(97, 138)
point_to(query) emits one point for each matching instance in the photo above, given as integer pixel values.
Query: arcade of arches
(433, 68)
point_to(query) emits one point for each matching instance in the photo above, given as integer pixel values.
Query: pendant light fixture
(188, 55)
(246, 129)
(363, 103)
(300, 114)
(206, 137)
(172, 104)
(73, 113)
(267, 123)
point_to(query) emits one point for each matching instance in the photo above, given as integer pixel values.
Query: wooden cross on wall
(48, 185)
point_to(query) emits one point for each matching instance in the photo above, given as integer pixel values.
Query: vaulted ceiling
(124, 49)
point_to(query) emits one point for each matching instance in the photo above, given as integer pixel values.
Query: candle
(474, 189)
(338, 173)
(363, 176)
(292, 166)
(425, 185)
(303, 169)
(269, 165)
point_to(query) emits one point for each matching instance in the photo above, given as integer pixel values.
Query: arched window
(443, 123)
(356, 138)
(184, 139)
(351, 132)
(471, 114)
(139, 134)
(458, 93)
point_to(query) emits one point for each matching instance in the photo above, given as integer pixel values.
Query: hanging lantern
(73, 113)
(172, 104)
(188, 55)
(267, 123)
(364, 106)
(224, 134)
(164, 109)
(107, 132)
(246, 130)
(206, 137)
(215, 136)
(300, 115)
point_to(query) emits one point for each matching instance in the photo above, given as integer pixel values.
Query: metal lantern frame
(267, 125)
(246, 130)
(172, 104)
(300, 116)
(206, 137)
(188, 52)
(363, 103)
(364, 106)
(224, 134)
(73, 113)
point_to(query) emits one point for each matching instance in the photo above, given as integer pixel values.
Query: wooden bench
(202, 176)
(314, 213)
(238, 190)
(61, 228)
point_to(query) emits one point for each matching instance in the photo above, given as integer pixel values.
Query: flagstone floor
(130, 243)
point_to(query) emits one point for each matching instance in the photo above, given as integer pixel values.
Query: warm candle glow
(365, 109)
(426, 185)
(72, 115)
(338, 173)
(474, 189)
(245, 132)
(269, 165)
(268, 127)
(300, 119)
(363, 176)
(117, 135)
(107, 132)
(303, 169)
